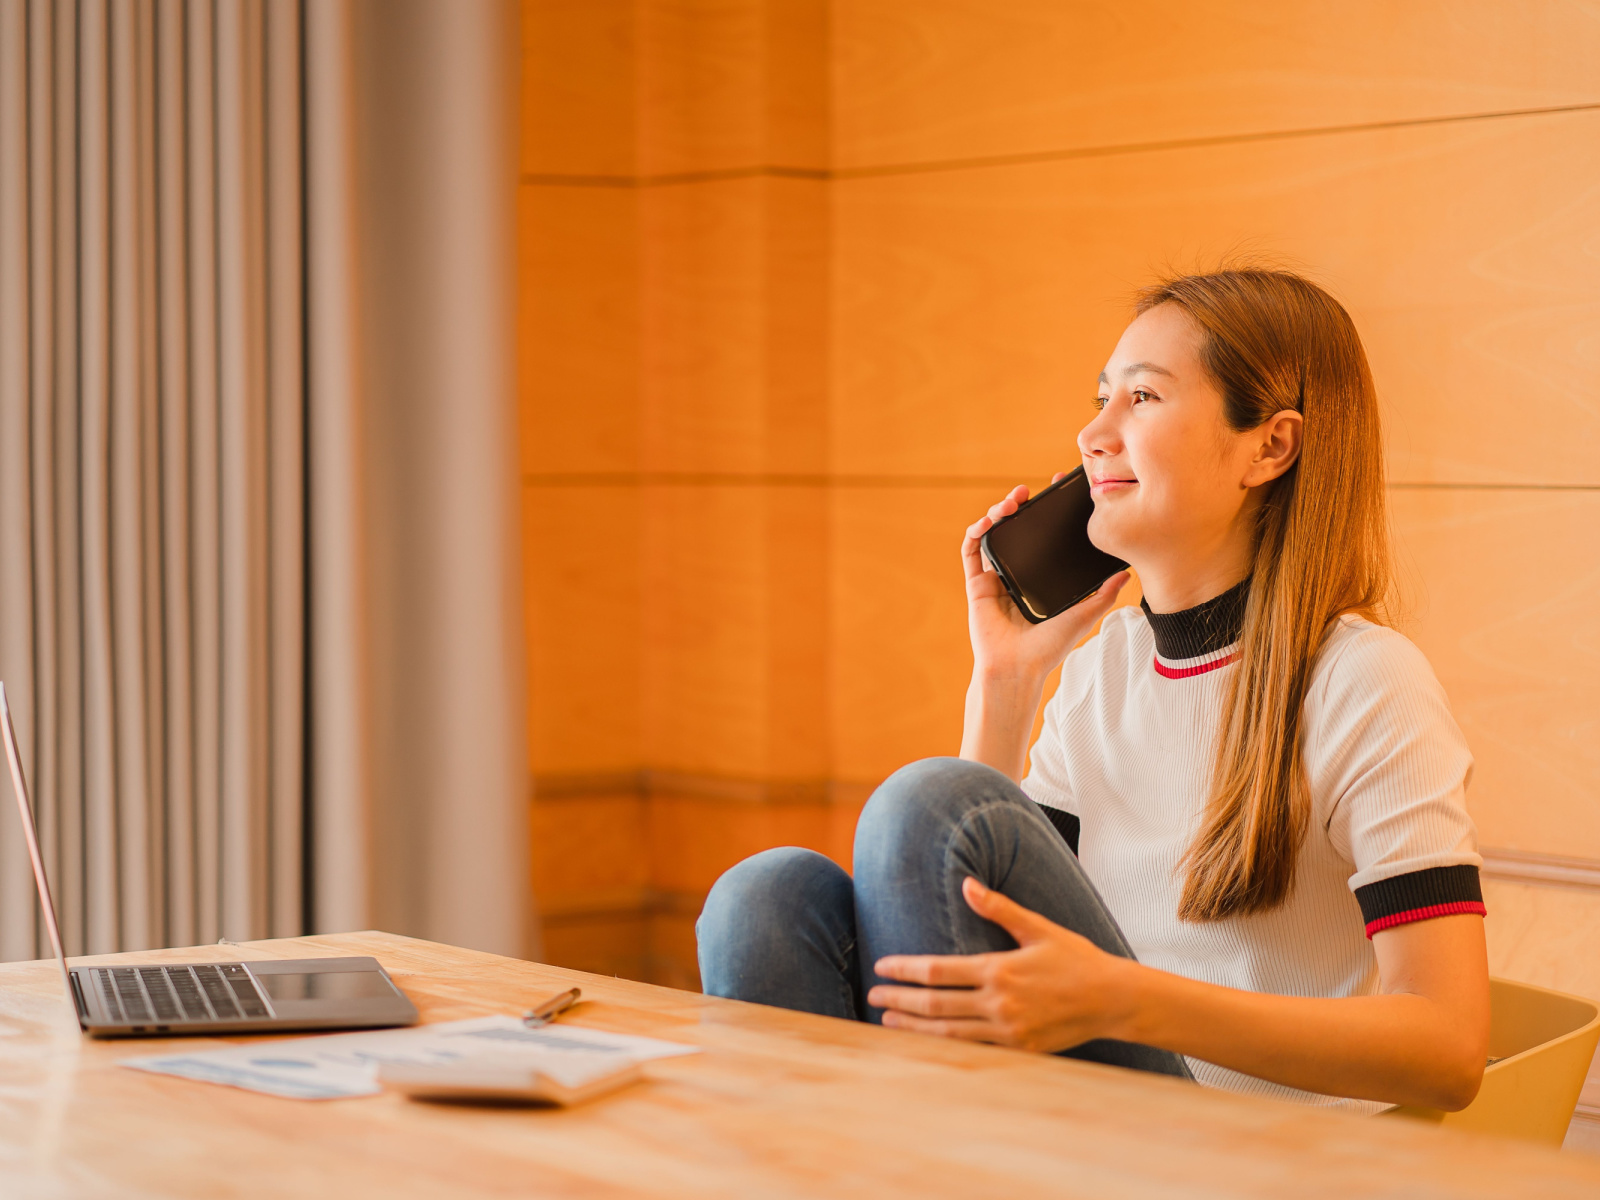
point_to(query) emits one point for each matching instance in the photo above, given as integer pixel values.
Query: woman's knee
(923, 798)
(759, 898)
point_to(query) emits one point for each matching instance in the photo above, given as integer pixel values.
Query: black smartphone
(1043, 554)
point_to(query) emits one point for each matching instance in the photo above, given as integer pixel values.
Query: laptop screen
(19, 784)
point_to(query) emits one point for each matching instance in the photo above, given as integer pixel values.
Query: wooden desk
(780, 1104)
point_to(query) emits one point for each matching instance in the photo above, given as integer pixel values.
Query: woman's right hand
(1006, 646)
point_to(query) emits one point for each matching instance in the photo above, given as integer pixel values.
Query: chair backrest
(1542, 1043)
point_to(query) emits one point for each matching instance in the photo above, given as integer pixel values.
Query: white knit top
(1128, 745)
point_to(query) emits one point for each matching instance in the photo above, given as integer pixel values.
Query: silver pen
(550, 1009)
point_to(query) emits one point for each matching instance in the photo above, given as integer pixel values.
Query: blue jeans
(789, 927)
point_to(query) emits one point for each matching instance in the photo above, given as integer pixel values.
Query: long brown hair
(1274, 341)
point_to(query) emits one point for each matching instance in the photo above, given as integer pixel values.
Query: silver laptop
(211, 997)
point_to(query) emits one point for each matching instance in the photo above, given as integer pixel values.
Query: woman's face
(1172, 482)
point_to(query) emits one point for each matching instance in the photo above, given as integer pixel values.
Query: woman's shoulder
(1367, 668)
(1359, 652)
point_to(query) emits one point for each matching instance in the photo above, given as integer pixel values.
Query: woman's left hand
(1054, 991)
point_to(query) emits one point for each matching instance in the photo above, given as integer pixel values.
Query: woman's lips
(1107, 487)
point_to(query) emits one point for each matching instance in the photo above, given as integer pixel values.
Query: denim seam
(960, 830)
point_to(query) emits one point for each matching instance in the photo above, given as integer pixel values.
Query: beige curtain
(258, 580)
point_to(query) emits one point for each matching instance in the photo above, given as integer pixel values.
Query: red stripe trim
(1167, 672)
(1423, 914)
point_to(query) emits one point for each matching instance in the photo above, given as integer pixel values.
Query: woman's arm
(1011, 656)
(1422, 1040)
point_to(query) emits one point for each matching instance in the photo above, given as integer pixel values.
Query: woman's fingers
(1021, 923)
(935, 970)
(926, 1002)
(972, 564)
(1013, 501)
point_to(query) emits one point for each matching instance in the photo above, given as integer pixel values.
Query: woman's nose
(1099, 436)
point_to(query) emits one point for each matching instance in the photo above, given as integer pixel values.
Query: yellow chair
(1540, 1046)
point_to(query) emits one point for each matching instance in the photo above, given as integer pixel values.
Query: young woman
(1242, 852)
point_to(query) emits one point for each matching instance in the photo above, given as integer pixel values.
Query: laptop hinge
(78, 1001)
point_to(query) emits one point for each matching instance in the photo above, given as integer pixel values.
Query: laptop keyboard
(157, 995)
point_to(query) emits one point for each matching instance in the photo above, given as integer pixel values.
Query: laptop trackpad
(326, 985)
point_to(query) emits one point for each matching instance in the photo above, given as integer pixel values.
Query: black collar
(1203, 629)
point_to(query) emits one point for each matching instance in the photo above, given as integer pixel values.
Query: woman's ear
(1277, 447)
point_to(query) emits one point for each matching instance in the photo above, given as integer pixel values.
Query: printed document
(346, 1064)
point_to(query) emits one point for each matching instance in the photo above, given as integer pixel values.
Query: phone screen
(1043, 553)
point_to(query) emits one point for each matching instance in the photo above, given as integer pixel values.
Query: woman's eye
(1140, 396)
(1101, 401)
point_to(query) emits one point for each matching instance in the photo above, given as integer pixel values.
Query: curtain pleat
(173, 324)
(16, 924)
(152, 466)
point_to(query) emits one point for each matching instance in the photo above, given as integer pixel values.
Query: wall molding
(853, 481)
(626, 901)
(1552, 870)
(691, 785)
(1025, 158)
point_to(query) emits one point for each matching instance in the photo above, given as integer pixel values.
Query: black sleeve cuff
(1066, 825)
(1419, 895)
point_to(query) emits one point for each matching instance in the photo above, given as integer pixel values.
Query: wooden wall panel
(590, 852)
(581, 546)
(701, 79)
(799, 683)
(704, 332)
(1506, 598)
(694, 839)
(733, 367)
(799, 83)
(935, 80)
(900, 657)
(606, 943)
(734, 631)
(578, 104)
(578, 329)
(732, 85)
(674, 265)
(797, 281)
(974, 308)
(705, 631)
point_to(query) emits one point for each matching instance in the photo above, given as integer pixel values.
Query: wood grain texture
(705, 671)
(732, 84)
(581, 547)
(704, 337)
(612, 941)
(973, 309)
(735, 663)
(900, 658)
(579, 110)
(693, 840)
(799, 79)
(734, 367)
(673, 960)
(578, 329)
(934, 80)
(777, 1104)
(590, 853)
(702, 86)
(1506, 598)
